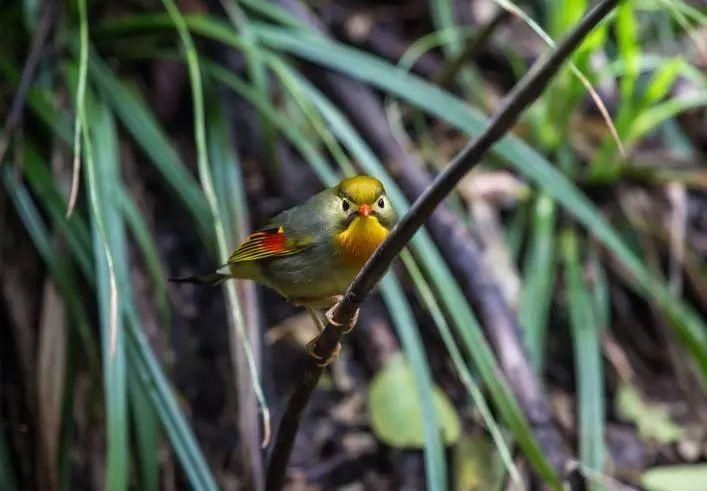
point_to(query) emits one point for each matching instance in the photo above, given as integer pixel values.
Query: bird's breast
(360, 240)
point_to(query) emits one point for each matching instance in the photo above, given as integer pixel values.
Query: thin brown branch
(462, 255)
(523, 94)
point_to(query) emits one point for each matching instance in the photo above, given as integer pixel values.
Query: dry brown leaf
(51, 361)
(300, 328)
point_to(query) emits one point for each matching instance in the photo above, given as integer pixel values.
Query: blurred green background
(144, 139)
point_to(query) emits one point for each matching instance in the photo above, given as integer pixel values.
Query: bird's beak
(364, 210)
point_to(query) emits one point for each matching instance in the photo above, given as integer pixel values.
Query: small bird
(310, 253)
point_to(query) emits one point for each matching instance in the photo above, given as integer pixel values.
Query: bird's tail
(211, 279)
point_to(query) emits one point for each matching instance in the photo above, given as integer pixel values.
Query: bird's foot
(346, 328)
(320, 360)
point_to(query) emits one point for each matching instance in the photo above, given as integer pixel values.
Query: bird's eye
(345, 205)
(381, 202)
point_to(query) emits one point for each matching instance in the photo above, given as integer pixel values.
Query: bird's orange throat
(361, 239)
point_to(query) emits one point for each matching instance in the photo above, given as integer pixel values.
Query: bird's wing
(267, 243)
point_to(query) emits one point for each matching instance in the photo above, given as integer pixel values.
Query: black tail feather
(211, 279)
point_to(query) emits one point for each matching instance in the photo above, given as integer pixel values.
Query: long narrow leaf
(539, 280)
(587, 352)
(143, 362)
(80, 102)
(428, 298)
(59, 266)
(144, 128)
(408, 332)
(208, 187)
(101, 156)
(147, 434)
(233, 214)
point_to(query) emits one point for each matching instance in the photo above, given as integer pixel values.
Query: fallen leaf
(653, 422)
(675, 477)
(395, 412)
(477, 465)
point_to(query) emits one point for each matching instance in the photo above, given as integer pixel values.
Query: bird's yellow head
(365, 217)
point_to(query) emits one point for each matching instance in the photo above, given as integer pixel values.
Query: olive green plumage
(311, 252)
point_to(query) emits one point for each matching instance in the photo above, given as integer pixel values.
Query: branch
(523, 94)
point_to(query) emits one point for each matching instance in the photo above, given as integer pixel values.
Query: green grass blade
(443, 19)
(659, 113)
(227, 178)
(78, 239)
(660, 83)
(538, 280)
(154, 382)
(80, 102)
(144, 362)
(257, 71)
(600, 290)
(564, 16)
(290, 84)
(289, 131)
(101, 161)
(630, 52)
(273, 12)
(208, 187)
(146, 433)
(427, 296)
(408, 332)
(592, 40)
(233, 214)
(142, 125)
(588, 366)
(517, 229)
(75, 230)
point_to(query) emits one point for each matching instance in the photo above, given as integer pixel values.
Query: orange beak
(364, 210)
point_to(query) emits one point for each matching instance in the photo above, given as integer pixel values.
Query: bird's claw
(346, 328)
(320, 360)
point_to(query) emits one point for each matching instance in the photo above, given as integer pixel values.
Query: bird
(311, 252)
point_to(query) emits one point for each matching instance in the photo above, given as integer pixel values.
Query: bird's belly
(309, 275)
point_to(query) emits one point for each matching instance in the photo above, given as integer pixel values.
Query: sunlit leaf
(395, 412)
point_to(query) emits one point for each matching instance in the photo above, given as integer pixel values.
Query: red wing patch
(263, 244)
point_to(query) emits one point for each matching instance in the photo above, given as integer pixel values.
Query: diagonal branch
(523, 94)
